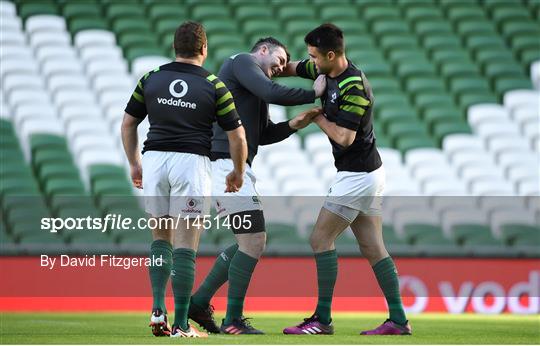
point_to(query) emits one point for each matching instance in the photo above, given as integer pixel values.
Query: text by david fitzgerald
(51, 262)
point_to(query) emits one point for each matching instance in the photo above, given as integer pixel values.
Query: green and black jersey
(348, 102)
(182, 102)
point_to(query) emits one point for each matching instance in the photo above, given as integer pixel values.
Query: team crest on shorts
(219, 207)
(191, 205)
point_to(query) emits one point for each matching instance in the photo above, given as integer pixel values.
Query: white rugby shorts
(176, 184)
(230, 203)
(360, 191)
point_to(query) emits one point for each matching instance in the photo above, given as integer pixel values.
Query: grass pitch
(131, 328)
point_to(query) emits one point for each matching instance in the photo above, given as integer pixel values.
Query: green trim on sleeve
(226, 109)
(353, 109)
(138, 97)
(358, 100)
(348, 80)
(224, 98)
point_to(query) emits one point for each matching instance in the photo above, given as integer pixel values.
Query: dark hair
(326, 37)
(189, 39)
(272, 43)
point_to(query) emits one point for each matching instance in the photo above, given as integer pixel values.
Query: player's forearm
(276, 133)
(289, 70)
(130, 142)
(238, 148)
(340, 135)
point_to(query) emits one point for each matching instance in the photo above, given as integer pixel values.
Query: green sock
(240, 272)
(217, 276)
(159, 275)
(182, 276)
(327, 268)
(387, 276)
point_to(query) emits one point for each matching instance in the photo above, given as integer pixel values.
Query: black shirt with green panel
(348, 102)
(182, 102)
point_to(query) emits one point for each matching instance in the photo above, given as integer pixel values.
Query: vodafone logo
(183, 85)
(178, 89)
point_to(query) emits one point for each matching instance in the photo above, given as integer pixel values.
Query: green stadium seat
(296, 11)
(410, 142)
(425, 101)
(391, 42)
(202, 12)
(351, 27)
(493, 55)
(73, 10)
(511, 29)
(436, 115)
(127, 25)
(220, 27)
(380, 29)
(445, 128)
(414, 232)
(529, 55)
(420, 85)
(59, 171)
(376, 69)
(78, 24)
(511, 232)
(298, 28)
(105, 171)
(443, 42)
(82, 202)
(391, 115)
(465, 12)
(158, 11)
(329, 12)
(48, 142)
(166, 26)
(375, 13)
(520, 43)
(130, 40)
(475, 27)
(125, 10)
(384, 84)
(456, 69)
(112, 187)
(427, 28)
(405, 127)
(505, 84)
(252, 12)
(30, 8)
(50, 156)
(61, 186)
(465, 85)
(497, 69)
(136, 52)
(255, 28)
(481, 96)
(415, 14)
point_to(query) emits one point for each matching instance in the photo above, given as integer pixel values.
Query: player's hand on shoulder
(319, 85)
(136, 175)
(305, 118)
(234, 181)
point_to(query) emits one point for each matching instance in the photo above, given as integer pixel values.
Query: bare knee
(373, 252)
(252, 244)
(321, 242)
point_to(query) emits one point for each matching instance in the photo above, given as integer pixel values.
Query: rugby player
(354, 198)
(182, 101)
(248, 77)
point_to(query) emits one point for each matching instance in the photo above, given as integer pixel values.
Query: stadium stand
(457, 89)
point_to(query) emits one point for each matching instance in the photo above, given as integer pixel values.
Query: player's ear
(330, 55)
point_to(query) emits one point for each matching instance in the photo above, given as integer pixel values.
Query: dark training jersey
(182, 102)
(253, 91)
(348, 102)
